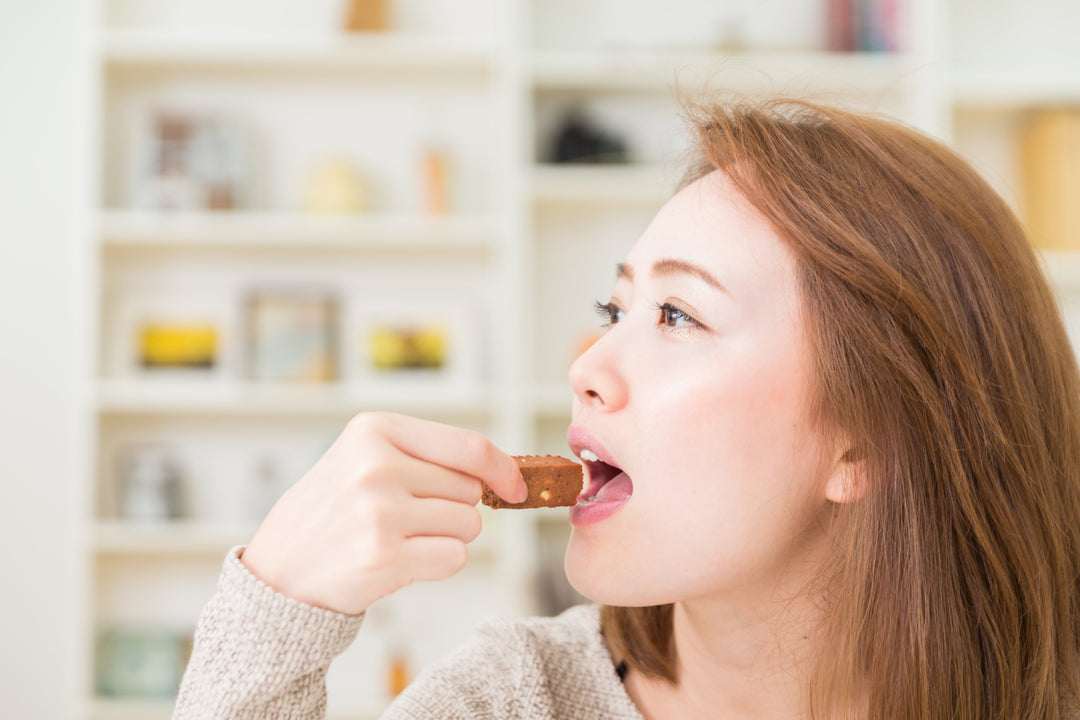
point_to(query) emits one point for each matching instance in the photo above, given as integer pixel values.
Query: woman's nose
(596, 375)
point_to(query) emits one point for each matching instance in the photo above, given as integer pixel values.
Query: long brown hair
(939, 348)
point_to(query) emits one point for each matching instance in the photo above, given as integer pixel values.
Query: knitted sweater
(259, 654)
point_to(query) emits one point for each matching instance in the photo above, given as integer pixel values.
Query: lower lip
(585, 514)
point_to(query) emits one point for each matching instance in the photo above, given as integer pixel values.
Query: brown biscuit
(553, 482)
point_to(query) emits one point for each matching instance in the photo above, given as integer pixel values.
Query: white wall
(40, 163)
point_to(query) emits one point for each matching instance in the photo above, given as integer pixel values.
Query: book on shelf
(863, 25)
(1050, 178)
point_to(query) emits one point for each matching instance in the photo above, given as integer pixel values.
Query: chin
(605, 581)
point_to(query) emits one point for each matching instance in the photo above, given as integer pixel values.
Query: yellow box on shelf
(179, 345)
(1050, 177)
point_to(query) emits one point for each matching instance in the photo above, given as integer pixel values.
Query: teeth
(589, 455)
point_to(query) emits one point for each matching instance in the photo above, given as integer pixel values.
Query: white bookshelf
(533, 241)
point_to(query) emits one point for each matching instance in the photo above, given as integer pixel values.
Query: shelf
(211, 398)
(125, 229)
(741, 72)
(388, 52)
(116, 709)
(1062, 267)
(980, 89)
(115, 537)
(193, 539)
(578, 184)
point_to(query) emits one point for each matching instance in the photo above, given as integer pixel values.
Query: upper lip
(579, 439)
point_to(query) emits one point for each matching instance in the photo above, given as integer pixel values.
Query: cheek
(739, 415)
(723, 486)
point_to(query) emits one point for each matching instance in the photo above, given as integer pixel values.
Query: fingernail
(523, 492)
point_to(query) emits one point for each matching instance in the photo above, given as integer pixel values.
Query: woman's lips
(609, 487)
(608, 490)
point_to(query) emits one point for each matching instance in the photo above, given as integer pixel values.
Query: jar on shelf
(151, 485)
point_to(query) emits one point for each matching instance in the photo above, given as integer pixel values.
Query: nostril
(592, 394)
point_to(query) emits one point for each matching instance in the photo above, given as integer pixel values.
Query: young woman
(832, 440)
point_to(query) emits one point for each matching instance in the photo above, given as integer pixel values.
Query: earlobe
(847, 483)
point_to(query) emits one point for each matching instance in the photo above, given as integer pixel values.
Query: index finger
(456, 448)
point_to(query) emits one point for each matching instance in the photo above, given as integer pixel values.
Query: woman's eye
(610, 312)
(673, 317)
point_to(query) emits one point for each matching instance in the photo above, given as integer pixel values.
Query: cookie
(553, 481)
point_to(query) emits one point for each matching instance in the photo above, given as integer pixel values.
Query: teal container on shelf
(140, 663)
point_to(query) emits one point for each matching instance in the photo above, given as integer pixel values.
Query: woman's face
(698, 393)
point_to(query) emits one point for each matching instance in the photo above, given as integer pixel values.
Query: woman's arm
(259, 654)
(391, 502)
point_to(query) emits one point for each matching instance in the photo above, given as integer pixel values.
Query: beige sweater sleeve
(259, 654)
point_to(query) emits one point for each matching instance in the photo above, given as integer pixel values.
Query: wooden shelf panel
(120, 229)
(120, 709)
(114, 537)
(382, 52)
(240, 400)
(188, 539)
(740, 72)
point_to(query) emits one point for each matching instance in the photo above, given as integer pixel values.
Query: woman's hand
(392, 501)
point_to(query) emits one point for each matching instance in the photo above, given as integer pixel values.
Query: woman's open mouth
(607, 490)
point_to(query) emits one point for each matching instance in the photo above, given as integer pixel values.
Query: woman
(832, 439)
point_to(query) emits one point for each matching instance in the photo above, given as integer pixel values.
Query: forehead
(710, 223)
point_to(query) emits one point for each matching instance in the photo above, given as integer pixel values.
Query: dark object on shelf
(578, 141)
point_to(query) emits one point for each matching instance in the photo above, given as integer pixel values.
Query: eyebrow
(671, 266)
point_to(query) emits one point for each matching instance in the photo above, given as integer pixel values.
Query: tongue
(616, 489)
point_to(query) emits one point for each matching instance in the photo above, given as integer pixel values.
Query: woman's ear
(847, 480)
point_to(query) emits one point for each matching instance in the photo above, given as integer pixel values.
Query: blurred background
(229, 225)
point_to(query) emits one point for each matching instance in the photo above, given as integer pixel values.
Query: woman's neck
(735, 661)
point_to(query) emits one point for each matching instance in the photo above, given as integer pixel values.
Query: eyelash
(609, 311)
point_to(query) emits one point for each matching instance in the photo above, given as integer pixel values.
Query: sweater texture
(260, 654)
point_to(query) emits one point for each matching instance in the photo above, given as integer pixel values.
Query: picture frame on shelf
(420, 340)
(192, 160)
(291, 336)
